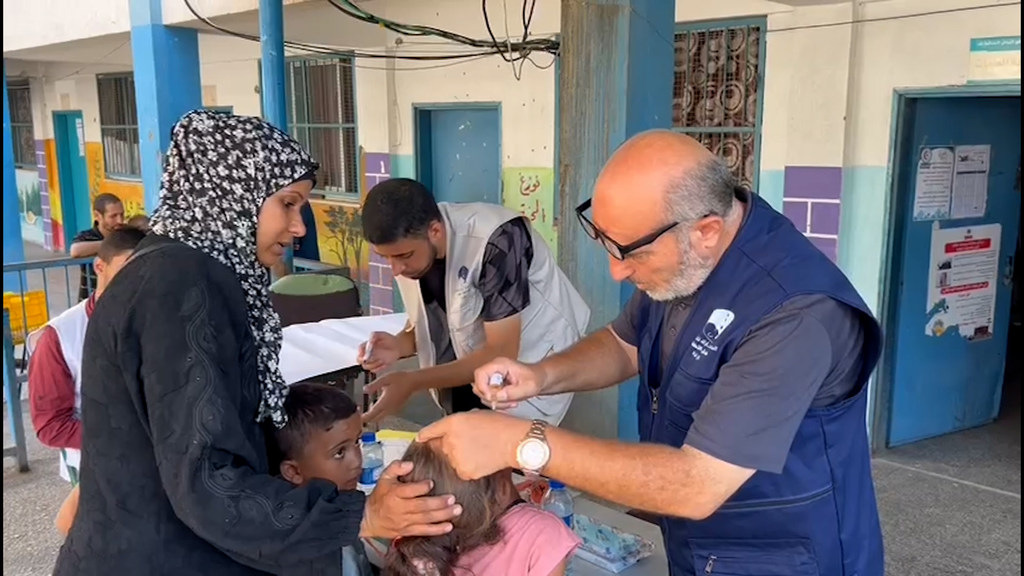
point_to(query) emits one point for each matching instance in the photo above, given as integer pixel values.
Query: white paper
(934, 183)
(962, 279)
(970, 181)
(317, 348)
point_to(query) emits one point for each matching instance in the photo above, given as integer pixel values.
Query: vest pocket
(719, 557)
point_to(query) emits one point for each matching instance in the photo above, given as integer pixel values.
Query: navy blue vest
(819, 516)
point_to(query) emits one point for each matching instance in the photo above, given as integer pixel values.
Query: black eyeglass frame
(616, 250)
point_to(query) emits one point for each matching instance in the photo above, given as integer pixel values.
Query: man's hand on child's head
(397, 509)
(477, 443)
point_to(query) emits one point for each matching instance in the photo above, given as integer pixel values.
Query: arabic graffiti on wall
(531, 192)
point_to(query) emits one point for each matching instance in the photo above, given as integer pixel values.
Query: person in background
(321, 440)
(754, 353)
(140, 221)
(183, 387)
(478, 282)
(55, 364)
(107, 216)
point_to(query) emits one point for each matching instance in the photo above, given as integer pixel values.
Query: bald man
(754, 353)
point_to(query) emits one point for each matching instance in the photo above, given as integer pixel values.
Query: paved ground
(950, 506)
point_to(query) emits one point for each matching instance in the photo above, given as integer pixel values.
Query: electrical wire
(331, 51)
(349, 8)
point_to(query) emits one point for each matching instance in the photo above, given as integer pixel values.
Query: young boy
(321, 440)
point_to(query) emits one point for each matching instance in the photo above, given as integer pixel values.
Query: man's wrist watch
(533, 452)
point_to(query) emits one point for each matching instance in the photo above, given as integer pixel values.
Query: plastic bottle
(559, 502)
(373, 462)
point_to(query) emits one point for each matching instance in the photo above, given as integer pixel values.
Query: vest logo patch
(704, 344)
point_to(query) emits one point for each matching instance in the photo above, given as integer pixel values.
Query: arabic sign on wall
(995, 59)
(531, 192)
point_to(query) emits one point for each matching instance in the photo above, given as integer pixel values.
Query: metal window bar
(321, 99)
(119, 126)
(22, 134)
(38, 299)
(717, 90)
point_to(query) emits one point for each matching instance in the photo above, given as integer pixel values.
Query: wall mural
(53, 180)
(531, 192)
(130, 192)
(339, 236)
(30, 205)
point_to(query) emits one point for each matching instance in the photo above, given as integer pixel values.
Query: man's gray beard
(693, 272)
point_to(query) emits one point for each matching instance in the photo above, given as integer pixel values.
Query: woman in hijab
(180, 370)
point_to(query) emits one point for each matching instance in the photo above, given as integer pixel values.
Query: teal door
(458, 152)
(958, 158)
(69, 138)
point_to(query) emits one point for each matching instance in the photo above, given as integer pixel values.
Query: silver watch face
(533, 454)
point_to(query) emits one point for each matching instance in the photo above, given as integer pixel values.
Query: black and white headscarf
(217, 173)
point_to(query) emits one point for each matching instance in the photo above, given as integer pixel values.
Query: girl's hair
(482, 506)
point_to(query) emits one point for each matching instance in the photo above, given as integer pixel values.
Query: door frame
(423, 149)
(79, 210)
(892, 258)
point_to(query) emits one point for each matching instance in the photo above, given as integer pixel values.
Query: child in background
(497, 533)
(321, 440)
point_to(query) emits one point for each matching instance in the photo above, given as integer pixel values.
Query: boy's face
(332, 454)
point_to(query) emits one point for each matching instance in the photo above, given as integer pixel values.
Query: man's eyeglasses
(617, 251)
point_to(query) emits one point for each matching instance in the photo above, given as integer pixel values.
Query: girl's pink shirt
(534, 543)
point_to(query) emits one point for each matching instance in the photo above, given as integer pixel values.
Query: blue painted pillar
(616, 71)
(275, 110)
(14, 248)
(167, 85)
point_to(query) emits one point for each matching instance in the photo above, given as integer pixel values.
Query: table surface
(317, 348)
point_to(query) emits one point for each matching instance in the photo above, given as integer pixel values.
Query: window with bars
(119, 126)
(322, 117)
(717, 89)
(19, 101)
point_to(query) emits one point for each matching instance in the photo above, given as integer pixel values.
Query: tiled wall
(44, 193)
(811, 201)
(378, 169)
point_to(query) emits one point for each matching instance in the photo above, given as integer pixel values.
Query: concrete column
(615, 80)
(167, 85)
(275, 107)
(14, 248)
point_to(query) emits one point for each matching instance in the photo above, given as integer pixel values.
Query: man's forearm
(406, 343)
(671, 482)
(85, 249)
(598, 361)
(456, 373)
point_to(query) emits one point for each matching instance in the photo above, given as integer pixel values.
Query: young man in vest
(477, 282)
(54, 371)
(107, 216)
(754, 353)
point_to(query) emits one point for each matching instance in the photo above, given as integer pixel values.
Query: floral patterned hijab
(218, 171)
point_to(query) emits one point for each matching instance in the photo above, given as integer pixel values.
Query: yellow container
(28, 312)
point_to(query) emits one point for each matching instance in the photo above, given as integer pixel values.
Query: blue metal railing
(59, 281)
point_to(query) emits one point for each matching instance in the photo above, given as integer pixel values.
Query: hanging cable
(331, 51)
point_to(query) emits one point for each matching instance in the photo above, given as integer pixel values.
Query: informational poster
(963, 275)
(970, 181)
(531, 192)
(934, 183)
